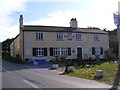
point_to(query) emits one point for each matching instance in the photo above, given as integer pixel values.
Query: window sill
(60, 55)
(40, 56)
(78, 40)
(70, 39)
(39, 40)
(59, 40)
(96, 40)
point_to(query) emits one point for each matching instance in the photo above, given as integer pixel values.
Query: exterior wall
(21, 44)
(15, 47)
(11, 49)
(86, 43)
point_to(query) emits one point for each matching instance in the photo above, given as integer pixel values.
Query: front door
(79, 52)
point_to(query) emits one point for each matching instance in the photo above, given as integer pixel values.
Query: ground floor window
(53, 51)
(60, 51)
(39, 51)
(64, 51)
(97, 50)
(56, 51)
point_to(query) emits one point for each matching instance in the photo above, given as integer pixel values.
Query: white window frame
(56, 51)
(64, 51)
(39, 36)
(60, 36)
(60, 51)
(97, 50)
(78, 36)
(96, 37)
(39, 51)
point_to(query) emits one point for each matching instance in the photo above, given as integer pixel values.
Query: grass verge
(109, 72)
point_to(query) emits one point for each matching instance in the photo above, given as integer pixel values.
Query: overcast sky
(94, 13)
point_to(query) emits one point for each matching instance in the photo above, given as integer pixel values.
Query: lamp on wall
(73, 51)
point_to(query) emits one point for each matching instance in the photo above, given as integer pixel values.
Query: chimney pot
(73, 23)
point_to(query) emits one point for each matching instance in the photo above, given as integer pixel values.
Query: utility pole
(118, 35)
(119, 44)
(119, 32)
(117, 23)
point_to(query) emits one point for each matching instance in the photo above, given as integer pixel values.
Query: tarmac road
(23, 76)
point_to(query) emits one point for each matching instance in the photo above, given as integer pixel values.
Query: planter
(99, 73)
(55, 66)
(70, 68)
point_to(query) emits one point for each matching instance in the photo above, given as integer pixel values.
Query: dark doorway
(79, 52)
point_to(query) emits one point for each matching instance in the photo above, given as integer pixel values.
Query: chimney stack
(73, 23)
(21, 21)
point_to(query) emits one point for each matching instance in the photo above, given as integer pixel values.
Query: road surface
(23, 76)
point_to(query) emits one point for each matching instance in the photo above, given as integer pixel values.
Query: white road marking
(5, 70)
(30, 83)
(0, 69)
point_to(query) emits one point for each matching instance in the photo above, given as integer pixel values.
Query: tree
(6, 46)
(113, 42)
(104, 29)
(109, 54)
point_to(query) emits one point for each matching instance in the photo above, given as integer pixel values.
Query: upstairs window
(39, 36)
(78, 37)
(96, 37)
(60, 36)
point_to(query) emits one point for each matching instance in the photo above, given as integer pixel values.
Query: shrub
(109, 54)
(16, 60)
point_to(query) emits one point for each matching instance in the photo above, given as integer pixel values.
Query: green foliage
(59, 60)
(6, 45)
(109, 72)
(16, 60)
(113, 41)
(109, 54)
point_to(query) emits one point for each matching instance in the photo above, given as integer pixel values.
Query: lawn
(109, 72)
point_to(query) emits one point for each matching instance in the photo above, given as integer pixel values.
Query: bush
(59, 60)
(109, 54)
(16, 60)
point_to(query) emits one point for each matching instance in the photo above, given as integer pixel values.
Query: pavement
(58, 70)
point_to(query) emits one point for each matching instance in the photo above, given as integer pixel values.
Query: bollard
(55, 66)
(99, 73)
(70, 68)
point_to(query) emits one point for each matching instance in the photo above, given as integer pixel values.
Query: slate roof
(61, 29)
